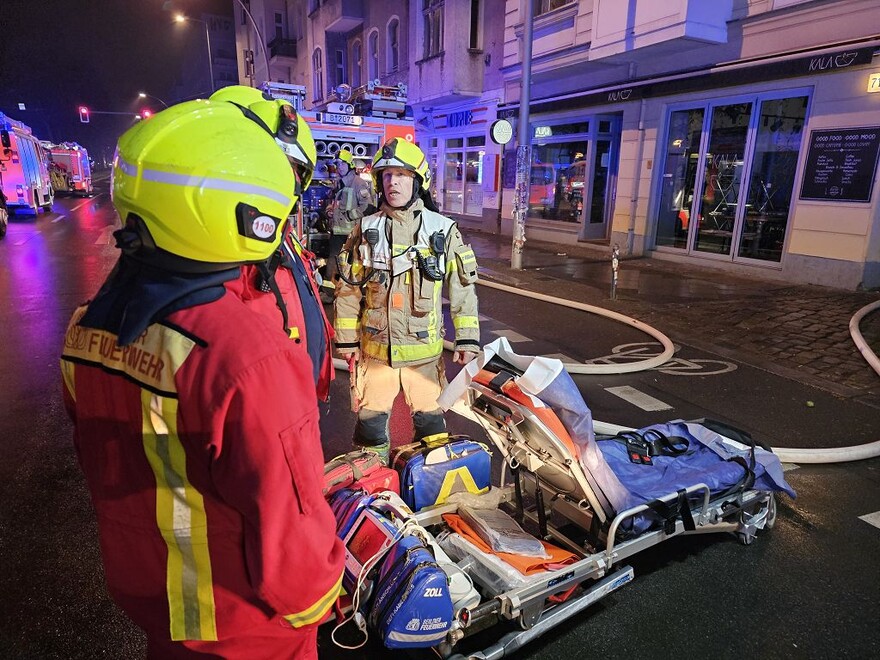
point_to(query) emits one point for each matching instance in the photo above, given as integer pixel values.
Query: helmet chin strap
(267, 283)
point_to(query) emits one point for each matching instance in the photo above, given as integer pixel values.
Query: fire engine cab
(70, 168)
(24, 170)
(360, 121)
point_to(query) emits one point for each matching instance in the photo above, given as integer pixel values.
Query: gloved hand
(463, 357)
(350, 355)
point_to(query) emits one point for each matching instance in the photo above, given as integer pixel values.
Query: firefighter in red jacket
(195, 412)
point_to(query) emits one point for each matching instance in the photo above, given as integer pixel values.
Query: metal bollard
(615, 263)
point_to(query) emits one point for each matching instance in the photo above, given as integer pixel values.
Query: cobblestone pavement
(797, 331)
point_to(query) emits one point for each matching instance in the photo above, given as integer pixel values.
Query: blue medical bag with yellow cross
(437, 466)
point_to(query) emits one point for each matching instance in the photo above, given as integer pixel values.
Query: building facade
(737, 134)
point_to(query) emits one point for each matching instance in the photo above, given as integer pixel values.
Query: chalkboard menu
(841, 164)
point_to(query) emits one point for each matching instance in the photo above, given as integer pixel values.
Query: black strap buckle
(637, 448)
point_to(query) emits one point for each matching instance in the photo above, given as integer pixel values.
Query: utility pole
(523, 146)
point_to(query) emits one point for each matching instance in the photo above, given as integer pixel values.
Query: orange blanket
(525, 565)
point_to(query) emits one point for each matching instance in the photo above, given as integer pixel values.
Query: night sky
(56, 55)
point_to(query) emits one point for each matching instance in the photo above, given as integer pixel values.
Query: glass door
(722, 177)
(453, 176)
(679, 178)
(595, 222)
(473, 186)
(777, 143)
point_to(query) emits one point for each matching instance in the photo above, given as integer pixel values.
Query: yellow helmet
(398, 152)
(240, 95)
(346, 157)
(202, 186)
(279, 117)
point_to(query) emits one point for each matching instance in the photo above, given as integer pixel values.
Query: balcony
(341, 15)
(619, 28)
(282, 48)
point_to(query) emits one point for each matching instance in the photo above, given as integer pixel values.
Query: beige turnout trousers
(378, 385)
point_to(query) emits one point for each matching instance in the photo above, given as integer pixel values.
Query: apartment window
(393, 44)
(432, 13)
(544, 6)
(357, 57)
(341, 77)
(318, 73)
(474, 37)
(279, 25)
(373, 55)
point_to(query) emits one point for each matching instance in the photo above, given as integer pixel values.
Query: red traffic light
(84, 114)
(146, 113)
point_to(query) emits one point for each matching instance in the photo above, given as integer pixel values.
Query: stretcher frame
(512, 428)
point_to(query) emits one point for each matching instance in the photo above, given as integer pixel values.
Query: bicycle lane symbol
(676, 366)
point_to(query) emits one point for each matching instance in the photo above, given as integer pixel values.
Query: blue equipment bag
(412, 607)
(431, 471)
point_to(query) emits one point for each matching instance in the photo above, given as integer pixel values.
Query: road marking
(872, 518)
(676, 366)
(59, 219)
(787, 467)
(84, 202)
(638, 398)
(106, 233)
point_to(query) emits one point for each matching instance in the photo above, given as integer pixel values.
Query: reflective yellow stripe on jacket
(405, 352)
(317, 611)
(180, 515)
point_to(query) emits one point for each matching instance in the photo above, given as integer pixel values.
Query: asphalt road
(808, 589)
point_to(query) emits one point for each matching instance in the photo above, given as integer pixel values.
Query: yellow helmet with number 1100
(201, 186)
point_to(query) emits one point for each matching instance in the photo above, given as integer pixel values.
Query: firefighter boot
(371, 432)
(428, 423)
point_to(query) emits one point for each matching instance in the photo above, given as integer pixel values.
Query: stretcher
(569, 485)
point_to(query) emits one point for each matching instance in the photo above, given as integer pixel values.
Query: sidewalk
(800, 332)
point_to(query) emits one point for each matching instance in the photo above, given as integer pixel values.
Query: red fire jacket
(200, 446)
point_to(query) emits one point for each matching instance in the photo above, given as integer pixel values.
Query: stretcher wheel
(771, 512)
(745, 538)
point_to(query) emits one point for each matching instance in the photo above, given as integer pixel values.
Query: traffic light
(84, 114)
(146, 113)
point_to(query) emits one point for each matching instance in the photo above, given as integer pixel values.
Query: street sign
(335, 118)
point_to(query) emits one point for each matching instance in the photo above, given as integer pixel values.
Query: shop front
(728, 176)
(465, 164)
(768, 164)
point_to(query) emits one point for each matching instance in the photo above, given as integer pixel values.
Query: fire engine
(70, 168)
(359, 120)
(24, 170)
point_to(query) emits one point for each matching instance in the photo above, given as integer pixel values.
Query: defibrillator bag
(359, 469)
(412, 607)
(432, 471)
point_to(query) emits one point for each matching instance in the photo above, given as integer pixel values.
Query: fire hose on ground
(791, 455)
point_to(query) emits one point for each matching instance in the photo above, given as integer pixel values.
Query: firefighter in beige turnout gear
(389, 319)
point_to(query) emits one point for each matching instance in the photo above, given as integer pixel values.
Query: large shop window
(463, 175)
(559, 167)
(728, 177)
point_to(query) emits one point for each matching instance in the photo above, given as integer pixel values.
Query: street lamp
(144, 95)
(180, 18)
